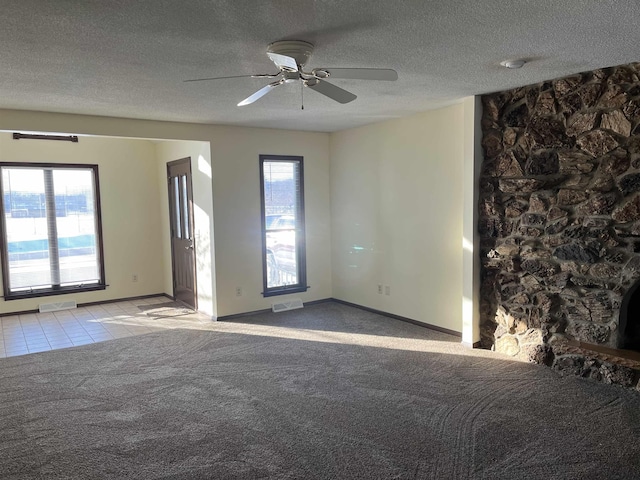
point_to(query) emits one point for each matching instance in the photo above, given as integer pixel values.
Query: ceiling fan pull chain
(302, 94)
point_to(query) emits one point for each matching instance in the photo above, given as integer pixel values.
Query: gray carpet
(324, 392)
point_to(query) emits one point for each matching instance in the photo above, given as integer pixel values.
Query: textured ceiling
(128, 58)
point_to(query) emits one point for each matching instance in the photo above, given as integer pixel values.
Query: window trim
(4, 257)
(301, 250)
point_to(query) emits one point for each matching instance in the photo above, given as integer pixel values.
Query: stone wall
(560, 217)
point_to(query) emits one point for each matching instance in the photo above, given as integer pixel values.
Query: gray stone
(532, 96)
(517, 116)
(490, 109)
(570, 103)
(595, 222)
(577, 252)
(547, 133)
(538, 203)
(542, 163)
(590, 94)
(507, 249)
(633, 266)
(600, 74)
(633, 144)
(618, 375)
(527, 231)
(569, 365)
(509, 137)
(539, 268)
(521, 299)
(519, 185)
(557, 226)
(571, 197)
(589, 332)
(605, 270)
(601, 183)
(560, 280)
(629, 211)
(545, 302)
(613, 97)
(493, 227)
(508, 290)
(506, 165)
(599, 306)
(600, 204)
(615, 257)
(565, 85)
(629, 183)
(589, 282)
(489, 207)
(492, 143)
(539, 354)
(623, 74)
(632, 110)
(597, 143)
(508, 345)
(553, 241)
(530, 282)
(616, 163)
(533, 219)
(616, 122)
(574, 162)
(514, 209)
(555, 213)
(576, 182)
(546, 104)
(580, 123)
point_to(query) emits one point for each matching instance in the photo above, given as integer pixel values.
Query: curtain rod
(32, 136)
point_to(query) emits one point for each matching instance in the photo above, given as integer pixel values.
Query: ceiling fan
(290, 56)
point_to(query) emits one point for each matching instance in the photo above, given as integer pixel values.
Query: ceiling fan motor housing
(297, 49)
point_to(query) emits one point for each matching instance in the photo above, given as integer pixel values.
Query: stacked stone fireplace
(560, 223)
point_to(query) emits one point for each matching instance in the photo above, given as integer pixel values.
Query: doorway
(183, 259)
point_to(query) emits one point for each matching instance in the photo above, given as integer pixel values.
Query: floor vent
(54, 307)
(289, 305)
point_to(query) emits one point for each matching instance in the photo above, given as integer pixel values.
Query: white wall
(234, 155)
(397, 209)
(129, 197)
(202, 182)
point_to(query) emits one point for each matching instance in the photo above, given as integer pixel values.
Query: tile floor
(37, 332)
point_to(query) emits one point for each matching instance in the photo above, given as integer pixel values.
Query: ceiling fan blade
(260, 75)
(259, 94)
(359, 73)
(338, 94)
(283, 61)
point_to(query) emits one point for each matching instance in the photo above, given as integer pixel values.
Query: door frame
(187, 161)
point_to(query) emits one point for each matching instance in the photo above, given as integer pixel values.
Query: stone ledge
(624, 358)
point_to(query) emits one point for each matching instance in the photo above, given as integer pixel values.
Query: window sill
(48, 292)
(284, 291)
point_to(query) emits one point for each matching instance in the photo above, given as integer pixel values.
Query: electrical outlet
(380, 289)
(238, 291)
(387, 290)
(134, 278)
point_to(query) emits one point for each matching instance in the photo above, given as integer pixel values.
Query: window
(51, 233)
(282, 202)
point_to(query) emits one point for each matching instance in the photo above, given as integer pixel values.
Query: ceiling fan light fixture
(290, 57)
(513, 64)
(321, 73)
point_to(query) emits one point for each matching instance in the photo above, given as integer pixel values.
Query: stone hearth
(560, 221)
